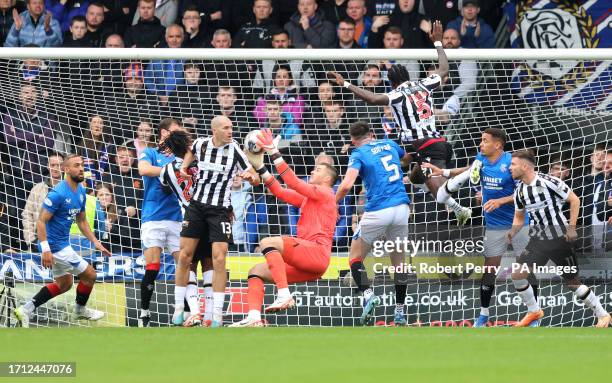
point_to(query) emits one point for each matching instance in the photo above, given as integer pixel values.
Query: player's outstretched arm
(81, 221)
(289, 196)
(435, 35)
(41, 230)
(267, 142)
(367, 96)
(347, 183)
(436, 171)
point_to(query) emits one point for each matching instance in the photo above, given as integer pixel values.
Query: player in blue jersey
(386, 211)
(491, 168)
(161, 216)
(64, 205)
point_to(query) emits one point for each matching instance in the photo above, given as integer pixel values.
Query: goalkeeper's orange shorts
(304, 260)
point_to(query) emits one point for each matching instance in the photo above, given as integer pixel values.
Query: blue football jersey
(380, 169)
(65, 204)
(158, 204)
(497, 182)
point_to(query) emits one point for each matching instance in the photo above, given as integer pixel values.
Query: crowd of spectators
(108, 112)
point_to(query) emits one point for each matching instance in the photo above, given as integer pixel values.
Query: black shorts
(438, 154)
(559, 251)
(208, 223)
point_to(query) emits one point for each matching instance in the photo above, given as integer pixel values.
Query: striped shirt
(412, 107)
(543, 199)
(182, 187)
(217, 166)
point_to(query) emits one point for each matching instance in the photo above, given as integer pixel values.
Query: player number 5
(391, 168)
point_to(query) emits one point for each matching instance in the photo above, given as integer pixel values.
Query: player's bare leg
(86, 283)
(219, 253)
(188, 246)
(59, 286)
(152, 257)
(272, 248)
(258, 274)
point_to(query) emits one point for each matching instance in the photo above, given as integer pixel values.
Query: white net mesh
(108, 111)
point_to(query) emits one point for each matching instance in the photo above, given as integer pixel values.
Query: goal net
(106, 106)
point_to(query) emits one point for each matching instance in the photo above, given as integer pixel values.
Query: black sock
(360, 276)
(42, 296)
(486, 292)
(401, 284)
(147, 286)
(82, 293)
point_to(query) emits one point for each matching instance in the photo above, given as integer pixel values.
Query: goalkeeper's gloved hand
(255, 159)
(268, 142)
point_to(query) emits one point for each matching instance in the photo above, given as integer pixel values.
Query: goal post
(106, 103)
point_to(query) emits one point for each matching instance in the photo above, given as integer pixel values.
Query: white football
(250, 142)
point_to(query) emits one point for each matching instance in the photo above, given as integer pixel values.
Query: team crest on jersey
(48, 202)
(503, 168)
(68, 200)
(81, 198)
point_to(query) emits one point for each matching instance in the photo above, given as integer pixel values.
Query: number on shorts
(226, 228)
(391, 168)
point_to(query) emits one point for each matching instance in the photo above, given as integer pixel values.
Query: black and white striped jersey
(217, 166)
(171, 178)
(412, 107)
(543, 200)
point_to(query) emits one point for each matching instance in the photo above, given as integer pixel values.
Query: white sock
(208, 294)
(144, 313)
(591, 300)
(179, 298)
(484, 311)
(284, 293)
(29, 305)
(218, 300)
(454, 205)
(193, 298)
(254, 315)
(527, 295)
(455, 183)
(78, 307)
(368, 293)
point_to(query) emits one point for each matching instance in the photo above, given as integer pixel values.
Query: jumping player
(386, 211)
(292, 259)
(64, 205)
(412, 107)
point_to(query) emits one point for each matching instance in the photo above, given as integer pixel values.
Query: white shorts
(163, 234)
(390, 224)
(67, 261)
(496, 244)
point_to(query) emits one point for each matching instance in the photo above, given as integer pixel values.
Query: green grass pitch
(316, 354)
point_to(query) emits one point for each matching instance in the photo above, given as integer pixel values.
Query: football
(250, 142)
